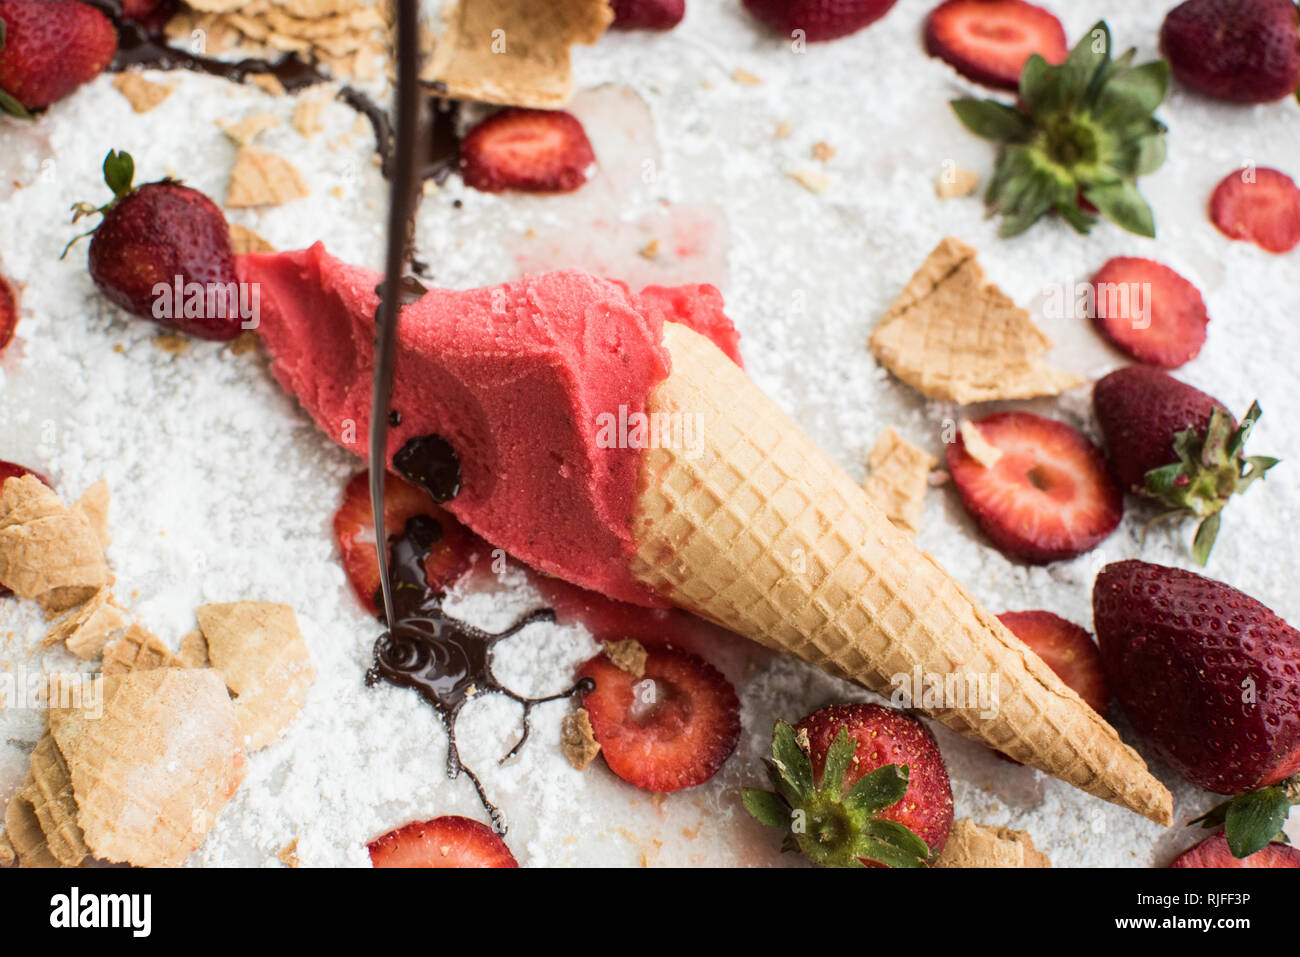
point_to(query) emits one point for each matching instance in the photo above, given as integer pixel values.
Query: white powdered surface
(224, 490)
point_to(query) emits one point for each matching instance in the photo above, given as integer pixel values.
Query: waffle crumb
(577, 740)
(627, 655)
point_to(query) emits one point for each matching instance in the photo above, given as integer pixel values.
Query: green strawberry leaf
(1206, 533)
(882, 788)
(1213, 817)
(1125, 206)
(837, 762)
(993, 120)
(119, 171)
(11, 106)
(766, 807)
(1254, 819)
(1132, 93)
(892, 844)
(1238, 442)
(791, 760)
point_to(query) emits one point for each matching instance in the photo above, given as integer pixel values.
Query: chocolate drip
(444, 660)
(430, 462)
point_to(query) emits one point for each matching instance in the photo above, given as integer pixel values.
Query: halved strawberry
(8, 312)
(1065, 648)
(1264, 209)
(449, 841)
(534, 151)
(1149, 312)
(1048, 496)
(354, 530)
(1214, 852)
(989, 41)
(669, 729)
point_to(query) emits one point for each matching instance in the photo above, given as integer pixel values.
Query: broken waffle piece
(977, 447)
(974, 845)
(246, 241)
(249, 128)
(47, 551)
(577, 740)
(93, 504)
(88, 629)
(514, 52)
(8, 857)
(24, 834)
(142, 94)
(955, 181)
(138, 650)
(260, 178)
(194, 650)
(898, 480)
(259, 649)
(152, 772)
(952, 335)
(49, 792)
(627, 655)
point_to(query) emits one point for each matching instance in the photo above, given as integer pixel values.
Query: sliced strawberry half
(534, 151)
(670, 729)
(1048, 496)
(1065, 648)
(1265, 211)
(988, 41)
(443, 842)
(1149, 312)
(1214, 852)
(354, 530)
(8, 312)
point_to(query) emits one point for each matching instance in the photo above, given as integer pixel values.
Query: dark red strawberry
(354, 530)
(1149, 312)
(669, 729)
(1048, 496)
(163, 252)
(10, 470)
(153, 14)
(532, 151)
(1261, 206)
(1176, 445)
(865, 784)
(1204, 672)
(1065, 648)
(1214, 852)
(48, 48)
(1246, 51)
(818, 19)
(989, 41)
(648, 14)
(443, 842)
(8, 312)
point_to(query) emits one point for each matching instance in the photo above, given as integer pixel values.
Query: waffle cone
(749, 524)
(49, 792)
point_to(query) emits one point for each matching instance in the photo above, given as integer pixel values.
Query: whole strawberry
(819, 19)
(1211, 678)
(857, 785)
(161, 238)
(648, 14)
(1176, 445)
(1245, 51)
(48, 48)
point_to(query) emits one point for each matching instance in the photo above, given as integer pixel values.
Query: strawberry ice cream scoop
(536, 384)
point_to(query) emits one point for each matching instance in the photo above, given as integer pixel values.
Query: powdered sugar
(223, 490)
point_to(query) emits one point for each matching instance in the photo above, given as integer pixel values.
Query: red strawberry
(1262, 206)
(1048, 496)
(870, 783)
(1204, 672)
(533, 151)
(1065, 648)
(153, 14)
(989, 41)
(48, 48)
(151, 235)
(8, 312)
(648, 14)
(9, 470)
(1214, 852)
(819, 19)
(669, 729)
(1176, 445)
(1149, 312)
(354, 530)
(1247, 51)
(443, 842)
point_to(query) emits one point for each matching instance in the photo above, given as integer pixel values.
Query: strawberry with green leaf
(1082, 131)
(857, 785)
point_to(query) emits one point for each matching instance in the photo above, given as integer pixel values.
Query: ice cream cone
(746, 522)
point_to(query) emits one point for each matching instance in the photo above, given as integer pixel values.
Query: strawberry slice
(1065, 648)
(1048, 496)
(534, 151)
(8, 312)
(449, 841)
(1266, 211)
(1213, 852)
(1149, 312)
(669, 729)
(354, 530)
(988, 41)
